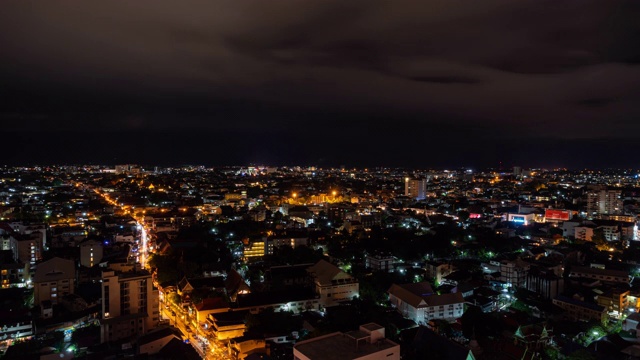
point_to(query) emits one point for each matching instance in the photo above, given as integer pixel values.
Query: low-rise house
(201, 311)
(332, 284)
(151, 343)
(437, 270)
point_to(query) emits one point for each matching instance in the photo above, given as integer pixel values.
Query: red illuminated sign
(552, 214)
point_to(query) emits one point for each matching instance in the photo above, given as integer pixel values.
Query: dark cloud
(505, 70)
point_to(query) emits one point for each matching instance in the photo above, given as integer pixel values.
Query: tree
(463, 215)
(174, 298)
(581, 355)
(599, 239)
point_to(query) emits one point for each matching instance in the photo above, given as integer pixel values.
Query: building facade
(415, 188)
(603, 201)
(332, 284)
(129, 305)
(53, 279)
(577, 310)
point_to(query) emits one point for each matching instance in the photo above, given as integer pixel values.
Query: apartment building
(579, 310)
(129, 305)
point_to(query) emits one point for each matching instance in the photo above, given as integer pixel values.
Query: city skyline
(435, 84)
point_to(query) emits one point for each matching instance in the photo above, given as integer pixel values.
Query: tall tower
(604, 202)
(415, 188)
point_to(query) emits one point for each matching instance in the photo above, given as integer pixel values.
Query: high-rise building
(129, 305)
(517, 171)
(604, 202)
(415, 188)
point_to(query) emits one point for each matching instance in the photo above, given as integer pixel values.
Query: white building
(418, 302)
(332, 284)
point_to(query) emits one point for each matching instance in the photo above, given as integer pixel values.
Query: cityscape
(260, 262)
(320, 180)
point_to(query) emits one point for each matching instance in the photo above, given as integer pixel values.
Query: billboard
(518, 219)
(560, 215)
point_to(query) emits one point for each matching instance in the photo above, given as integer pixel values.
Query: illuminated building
(129, 305)
(415, 188)
(604, 202)
(615, 301)
(254, 249)
(332, 284)
(521, 219)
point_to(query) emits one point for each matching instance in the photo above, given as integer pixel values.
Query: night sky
(430, 83)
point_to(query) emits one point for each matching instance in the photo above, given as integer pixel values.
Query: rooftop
(339, 346)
